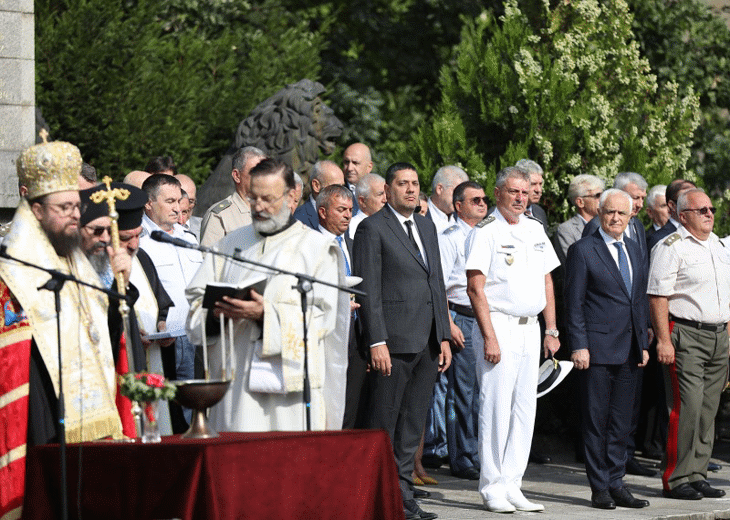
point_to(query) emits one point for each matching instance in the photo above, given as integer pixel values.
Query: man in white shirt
(440, 203)
(334, 207)
(370, 195)
(462, 394)
(175, 266)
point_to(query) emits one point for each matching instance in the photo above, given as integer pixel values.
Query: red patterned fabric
(673, 428)
(324, 475)
(124, 405)
(15, 339)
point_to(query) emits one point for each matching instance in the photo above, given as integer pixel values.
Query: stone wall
(17, 92)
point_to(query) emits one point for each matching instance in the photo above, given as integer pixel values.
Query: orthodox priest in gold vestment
(45, 231)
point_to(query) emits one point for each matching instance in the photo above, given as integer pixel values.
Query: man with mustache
(508, 263)
(266, 393)
(45, 232)
(689, 298)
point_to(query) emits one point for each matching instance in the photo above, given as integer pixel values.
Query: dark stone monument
(293, 125)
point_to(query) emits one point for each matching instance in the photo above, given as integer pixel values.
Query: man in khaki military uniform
(690, 309)
(234, 211)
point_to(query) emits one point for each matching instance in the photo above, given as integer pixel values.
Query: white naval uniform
(514, 259)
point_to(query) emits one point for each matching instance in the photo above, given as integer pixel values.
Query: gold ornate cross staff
(110, 196)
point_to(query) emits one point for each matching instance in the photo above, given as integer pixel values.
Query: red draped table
(273, 475)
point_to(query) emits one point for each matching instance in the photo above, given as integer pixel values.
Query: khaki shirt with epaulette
(223, 217)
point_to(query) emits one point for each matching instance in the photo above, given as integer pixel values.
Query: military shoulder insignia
(5, 229)
(221, 206)
(534, 218)
(486, 220)
(671, 239)
(451, 228)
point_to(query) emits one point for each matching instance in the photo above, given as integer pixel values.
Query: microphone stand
(303, 286)
(55, 284)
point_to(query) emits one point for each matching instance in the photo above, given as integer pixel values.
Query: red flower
(149, 411)
(155, 380)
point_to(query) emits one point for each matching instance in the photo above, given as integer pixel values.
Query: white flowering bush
(566, 87)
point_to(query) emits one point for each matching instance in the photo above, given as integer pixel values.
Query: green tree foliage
(382, 61)
(129, 80)
(687, 44)
(565, 86)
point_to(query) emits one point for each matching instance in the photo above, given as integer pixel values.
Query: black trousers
(399, 404)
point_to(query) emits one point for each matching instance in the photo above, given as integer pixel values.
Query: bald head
(188, 187)
(136, 178)
(356, 162)
(325, 173)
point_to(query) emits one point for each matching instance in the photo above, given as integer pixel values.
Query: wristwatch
(552, 332)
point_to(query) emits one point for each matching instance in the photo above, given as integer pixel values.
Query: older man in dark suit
(324, 173)
(635, 185)
(607, 321)
(404, 319)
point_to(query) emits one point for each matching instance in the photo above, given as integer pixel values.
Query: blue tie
(623, 266)
(347, 264)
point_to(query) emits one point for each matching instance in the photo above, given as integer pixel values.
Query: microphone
(161, 236)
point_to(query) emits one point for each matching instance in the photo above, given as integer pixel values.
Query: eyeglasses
(702, 211)
(65, 209)
(594, 196)
(98, 231)
(478, 200)
(266, 202)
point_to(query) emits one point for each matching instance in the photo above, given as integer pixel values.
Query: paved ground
(563, 488)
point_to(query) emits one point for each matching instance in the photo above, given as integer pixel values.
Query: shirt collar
(435, 212)
(609, 239)
(400, 217)
(326, 232)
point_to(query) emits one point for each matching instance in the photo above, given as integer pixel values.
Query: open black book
(215, 291)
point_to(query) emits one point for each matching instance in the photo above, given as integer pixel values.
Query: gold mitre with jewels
(49, 167)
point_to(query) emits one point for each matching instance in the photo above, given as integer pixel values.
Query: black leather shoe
(467, 474)
(433, 461)
(539, 458)
(420, 493)
(711, 466)
(683, 492)
(623, 498)
(651, 454)
(634, 467)
(602, 500)
(707, 490)
(413, 512)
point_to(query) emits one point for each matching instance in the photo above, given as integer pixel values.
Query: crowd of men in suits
(443, 350)
(442, 385)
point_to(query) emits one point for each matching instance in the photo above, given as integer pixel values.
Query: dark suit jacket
(539, 213)
(307, 215)
(637, 230)
(404, 298)
(600, 314)
(666, 230)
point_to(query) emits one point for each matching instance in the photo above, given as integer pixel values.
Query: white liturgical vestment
(276, 344)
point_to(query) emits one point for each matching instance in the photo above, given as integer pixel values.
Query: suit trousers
(507, 403)
(694, 384)
(608, 393)
(462, 402)
(399, 405)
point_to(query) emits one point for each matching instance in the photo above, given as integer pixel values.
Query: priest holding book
(267, 355)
